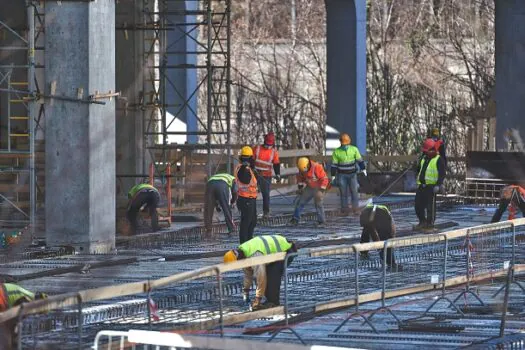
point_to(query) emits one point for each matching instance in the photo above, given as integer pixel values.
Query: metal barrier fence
(317, 280)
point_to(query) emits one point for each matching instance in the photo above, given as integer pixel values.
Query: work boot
(429, 228)
(266, 216)
(320, 224)
(256, 305)
(356, 211)
(293, 222)
(419, 226)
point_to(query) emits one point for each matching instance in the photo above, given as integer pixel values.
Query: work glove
(436, 189)
(218, 209)
(333, 179)
(246, 297)
(365, 173)
(300, 186)
(278, 178)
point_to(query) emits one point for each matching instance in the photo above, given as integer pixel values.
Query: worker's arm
(335, 164)
(235, 192)
(503, 204)
(359, 160)
(276, 164)
(441, 171)
(323, 179)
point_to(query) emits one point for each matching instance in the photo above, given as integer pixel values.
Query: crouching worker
(12, 295)
(268, 276)
(378, 224)
(143, 196)
(513, 198)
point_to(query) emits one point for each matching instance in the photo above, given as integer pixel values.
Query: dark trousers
(503, 204)
(151, 199)
(218, 191)
(248, 209)
(371, 231)
(264, 183)
(425, 204)
(274, 273)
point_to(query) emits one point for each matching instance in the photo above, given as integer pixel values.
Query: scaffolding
(21, 116)
(187, 38)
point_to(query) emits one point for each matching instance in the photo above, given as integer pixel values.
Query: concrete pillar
(80, 137)
(129, 50)
(510, 69)
(181, 77)
(346, 68)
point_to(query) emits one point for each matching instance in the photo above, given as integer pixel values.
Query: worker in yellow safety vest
(430, 175)
(143, 196)
(268, 276)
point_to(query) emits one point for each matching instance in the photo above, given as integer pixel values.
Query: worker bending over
(247, 189)
(378, 225)
(268, 276)
(143, 196)
(12, 295)
(346, 164)
(513, 197)
(312, 182)
(221, 193)
(267, 159)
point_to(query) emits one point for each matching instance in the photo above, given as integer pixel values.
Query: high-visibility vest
(513, 190)
(378, 206)
(266, 244)
(345, 160)
(223, 177)
(11, 293)
(246, 190)
(431, 174)
(140, 187)
(264, 160)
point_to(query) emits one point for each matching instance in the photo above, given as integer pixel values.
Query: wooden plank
(293, 153)
(14, 188)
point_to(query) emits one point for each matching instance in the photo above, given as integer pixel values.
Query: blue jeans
(348, 182)
(306, 196)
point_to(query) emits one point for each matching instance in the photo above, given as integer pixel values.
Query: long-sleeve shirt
(440, 166)
(315, 177)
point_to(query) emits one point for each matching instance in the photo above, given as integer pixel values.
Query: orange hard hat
(345, 139)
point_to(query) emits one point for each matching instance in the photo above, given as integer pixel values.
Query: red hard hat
(269, 139)
(428, 145)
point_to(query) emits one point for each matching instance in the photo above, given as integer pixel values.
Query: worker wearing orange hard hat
(312, 182)
(268, 276)
(512, 198)
(267, 161)
(246, 180)
(346, 164)
(430, 175)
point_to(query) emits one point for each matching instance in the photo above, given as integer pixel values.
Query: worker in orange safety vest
(513, 198)
(246, 181)
(312, 182)
(267, 161)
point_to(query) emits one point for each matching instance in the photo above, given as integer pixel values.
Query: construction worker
(378, 224)
(513, 197)
(143, 196)
(221, 193)
(266, 160)
(430, 175)
(246, 181)
(312, 182)
(12, 295)
(440, 143)
(346, 164)
(268, 276)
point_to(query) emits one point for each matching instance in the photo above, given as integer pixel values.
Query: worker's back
(381, 219)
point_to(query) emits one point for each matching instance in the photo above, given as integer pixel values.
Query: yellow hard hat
(246, 151)
(345, 139)
(230, 256)
(302, 164)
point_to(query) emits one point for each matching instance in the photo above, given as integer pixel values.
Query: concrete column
(130, 75)
(510, 69)
(346, 68)
(80, 137)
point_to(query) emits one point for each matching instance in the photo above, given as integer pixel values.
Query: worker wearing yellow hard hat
(346, 164)
(245, 178)
(268, 276)
(312, 182)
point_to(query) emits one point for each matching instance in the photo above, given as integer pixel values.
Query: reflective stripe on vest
(137, 188)
(379, 206)
(266, 165)
(223, 177)
(431, 174)
(246, 190)
(267, 244)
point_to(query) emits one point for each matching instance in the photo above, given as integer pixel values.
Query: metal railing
(320, 279)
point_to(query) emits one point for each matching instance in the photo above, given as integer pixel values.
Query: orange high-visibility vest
(315, 177)
(265, 158)
(246, 190)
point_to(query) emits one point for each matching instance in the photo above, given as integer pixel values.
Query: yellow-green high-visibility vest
(431, 174)
(266, 244)
(223, 177)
